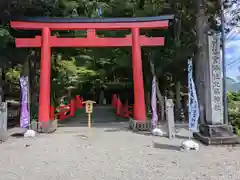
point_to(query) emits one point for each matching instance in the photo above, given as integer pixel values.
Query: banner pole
(193, 108)
(189, 97)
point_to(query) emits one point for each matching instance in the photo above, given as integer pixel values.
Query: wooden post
(89, 111)
(89, 120)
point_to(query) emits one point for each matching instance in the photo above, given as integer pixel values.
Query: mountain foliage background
(233, 85)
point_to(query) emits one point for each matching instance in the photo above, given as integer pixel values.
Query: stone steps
(101, 114)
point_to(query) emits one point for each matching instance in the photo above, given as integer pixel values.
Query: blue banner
(193, 108)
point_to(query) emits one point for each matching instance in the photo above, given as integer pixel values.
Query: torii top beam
(37, 23)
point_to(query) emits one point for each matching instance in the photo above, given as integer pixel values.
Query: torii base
(216, 135)
(48, 127)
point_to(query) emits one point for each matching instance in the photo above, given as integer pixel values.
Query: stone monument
(214, 131)
(3, 121)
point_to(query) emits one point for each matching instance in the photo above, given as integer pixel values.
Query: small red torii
(46, 41)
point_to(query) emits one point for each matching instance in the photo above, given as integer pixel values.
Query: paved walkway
(111, 152)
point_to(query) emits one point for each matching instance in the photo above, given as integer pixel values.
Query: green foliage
(234, 118)
(13, 74)
(234, 110)
(5, 36)
(233, 12)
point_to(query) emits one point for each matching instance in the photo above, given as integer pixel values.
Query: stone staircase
(101, 114)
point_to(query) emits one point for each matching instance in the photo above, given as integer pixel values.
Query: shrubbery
(234, 111)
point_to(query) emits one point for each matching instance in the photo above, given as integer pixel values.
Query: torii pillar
(45, 77)
(139, 110)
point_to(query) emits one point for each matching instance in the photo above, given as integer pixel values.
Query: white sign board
(216, 82)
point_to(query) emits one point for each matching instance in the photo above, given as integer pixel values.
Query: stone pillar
(3, 116)
(170, 118)
(214, 105)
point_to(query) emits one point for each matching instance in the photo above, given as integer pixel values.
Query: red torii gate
(47, 41)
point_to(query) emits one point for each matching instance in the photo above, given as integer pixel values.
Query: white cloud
(233, 55)
(232, 41)
(229, 56)
(233, 45)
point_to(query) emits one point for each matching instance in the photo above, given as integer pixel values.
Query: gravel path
(111, 154)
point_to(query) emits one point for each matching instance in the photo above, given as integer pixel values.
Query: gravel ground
(111, 154)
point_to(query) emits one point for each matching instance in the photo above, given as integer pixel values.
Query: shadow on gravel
(145, 133)
(80, 136)
(117, 129)
(182, 137)
(166, 147)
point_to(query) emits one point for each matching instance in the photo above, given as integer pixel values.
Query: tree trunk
(201, 70)
(178, 100)
(147, 82)
(2, 84)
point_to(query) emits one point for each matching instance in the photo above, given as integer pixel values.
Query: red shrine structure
(46, 41)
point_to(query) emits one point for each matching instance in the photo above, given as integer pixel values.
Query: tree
(232, 13)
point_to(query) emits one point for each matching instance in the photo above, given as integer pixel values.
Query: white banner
(193, 108)
(154, 103)
(216, 86)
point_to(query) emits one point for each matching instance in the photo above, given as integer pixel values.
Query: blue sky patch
(233, 54)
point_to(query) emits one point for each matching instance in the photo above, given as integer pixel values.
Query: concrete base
(3, 135)
(48, 127)
(216, 135)
(140, 125)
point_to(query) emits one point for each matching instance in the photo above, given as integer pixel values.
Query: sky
(233, 53)
(232, 45)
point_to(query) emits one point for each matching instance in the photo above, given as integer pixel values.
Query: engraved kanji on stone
(215, 60)
(216, 75)
(216, 67)
(216, 98)
(214, 46)
(216, 84)
(216, 91)
(217, 107)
